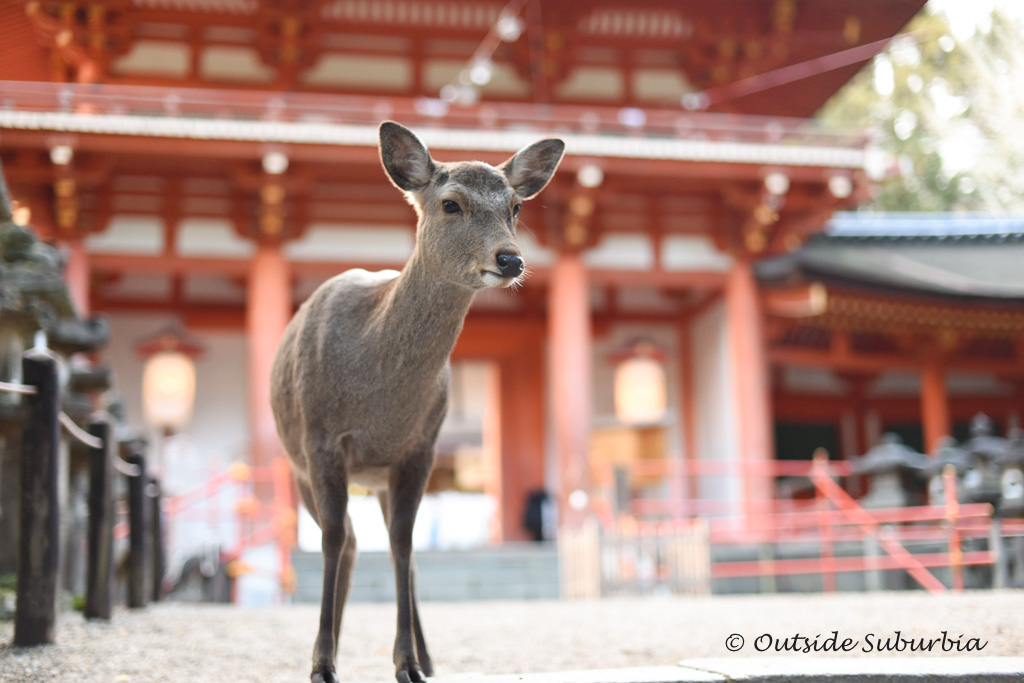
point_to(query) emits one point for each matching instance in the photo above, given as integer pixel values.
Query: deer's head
(467, 210)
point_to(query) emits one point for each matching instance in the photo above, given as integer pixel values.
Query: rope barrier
(74, 430)
(12, 388)
(91, 441)
(127, 469)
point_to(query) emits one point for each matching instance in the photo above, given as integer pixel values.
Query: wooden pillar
(935, 421)
(76, 275)
(749, 362)
(521, 382)
(685, 486)
(99, 596)
(494, 429)
(854, 438)
(138, 530)
(570, 366)
(268, 309)
(39, 541)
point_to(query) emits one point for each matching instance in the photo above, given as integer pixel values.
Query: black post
(156, 519)
(99, 597)
(138, 537)
(39, 544)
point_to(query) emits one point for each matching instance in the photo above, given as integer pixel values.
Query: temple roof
(936, 254)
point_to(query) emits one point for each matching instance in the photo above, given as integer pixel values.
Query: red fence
(264, 513)
(827, 516)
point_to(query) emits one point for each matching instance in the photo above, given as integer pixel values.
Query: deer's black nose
(510, 265)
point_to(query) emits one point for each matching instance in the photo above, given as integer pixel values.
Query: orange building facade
(211, 162)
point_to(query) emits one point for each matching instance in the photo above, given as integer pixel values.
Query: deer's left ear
(532, 167)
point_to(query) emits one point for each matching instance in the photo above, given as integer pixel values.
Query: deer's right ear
(404, 157)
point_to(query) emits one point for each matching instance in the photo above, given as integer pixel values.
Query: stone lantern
(1011, 465)
(895, 474)
(982, 483)
(948, 453)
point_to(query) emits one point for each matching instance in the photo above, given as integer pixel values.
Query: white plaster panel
(717, 437)
(661, 85)
(619, 250)
(647, 299)
(813, 381)
(693, 252)
(896, 384)
(229, 63)
(325, 242)
(383, 73)
(142, 235)
(971, 384)
(211, 237)
(213, 288)
(140, 286)
(154, 57)
(592, 82)
(504, 80)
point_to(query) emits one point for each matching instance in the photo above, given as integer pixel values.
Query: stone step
(786, 670)
(511, 572)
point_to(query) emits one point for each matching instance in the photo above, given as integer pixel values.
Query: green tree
(948, 110)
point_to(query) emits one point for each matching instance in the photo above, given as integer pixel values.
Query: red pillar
(934, 402)
(268, 309)
(685, 482)
(76, 275)
(569, 320)
(749, 363)
(521, 379)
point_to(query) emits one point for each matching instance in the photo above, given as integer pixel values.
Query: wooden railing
(39, 539)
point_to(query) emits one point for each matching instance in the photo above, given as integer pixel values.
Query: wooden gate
(635, 559)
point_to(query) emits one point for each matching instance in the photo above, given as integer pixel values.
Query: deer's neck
(423, 315)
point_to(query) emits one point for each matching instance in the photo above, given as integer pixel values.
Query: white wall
(716, 416)
(220, 423)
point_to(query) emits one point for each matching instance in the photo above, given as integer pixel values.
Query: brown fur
(360, 381)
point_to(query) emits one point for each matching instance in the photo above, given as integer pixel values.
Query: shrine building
(206, 164)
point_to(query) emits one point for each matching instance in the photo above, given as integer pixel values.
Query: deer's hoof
(412, 674)
(427, 667)
(324, 677)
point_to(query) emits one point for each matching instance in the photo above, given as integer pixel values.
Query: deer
(360, 379)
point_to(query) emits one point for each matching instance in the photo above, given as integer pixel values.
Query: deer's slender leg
(406, 484)
(426, 665)
(330, 496)
(344, 581)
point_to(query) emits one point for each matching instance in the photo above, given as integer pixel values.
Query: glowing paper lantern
(640, 390)
(168, 381)
(169, 390)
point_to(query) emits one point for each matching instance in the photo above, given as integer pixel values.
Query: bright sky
(966, 15)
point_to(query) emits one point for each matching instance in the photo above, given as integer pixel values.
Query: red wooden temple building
(208, 162)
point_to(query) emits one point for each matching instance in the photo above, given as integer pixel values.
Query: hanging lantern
(640, 392)
(168, 380)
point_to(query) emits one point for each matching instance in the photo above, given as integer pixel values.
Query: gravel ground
(200, 643)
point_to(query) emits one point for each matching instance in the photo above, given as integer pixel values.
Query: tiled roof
(974, 256)
(953, 227)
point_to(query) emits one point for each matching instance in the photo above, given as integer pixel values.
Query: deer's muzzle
(510, 265)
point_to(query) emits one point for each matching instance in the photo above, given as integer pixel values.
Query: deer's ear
(532, 167)
(404, 157)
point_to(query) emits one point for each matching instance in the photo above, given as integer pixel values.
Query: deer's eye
(450, 207)
(515, 210)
